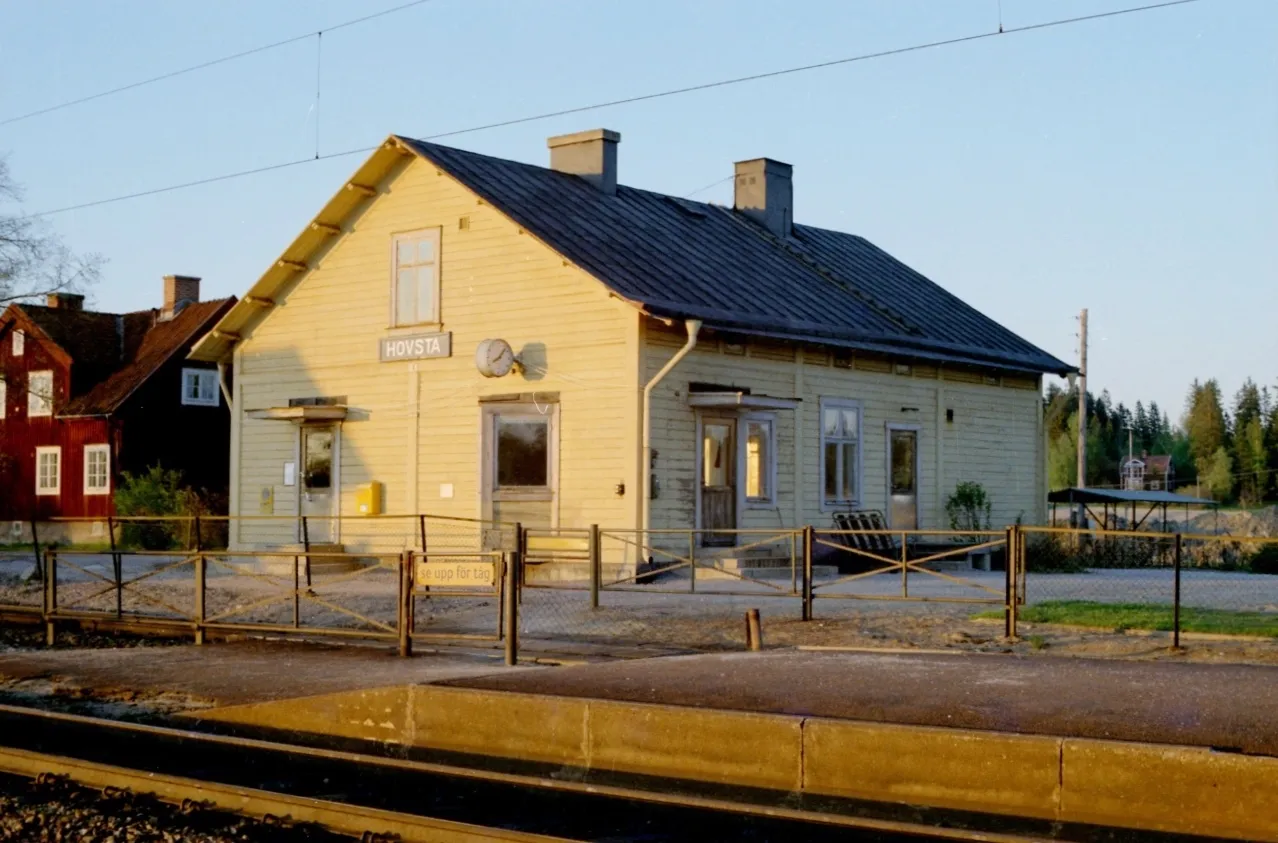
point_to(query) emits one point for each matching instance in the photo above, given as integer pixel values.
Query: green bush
(159, 494)
(969, 507)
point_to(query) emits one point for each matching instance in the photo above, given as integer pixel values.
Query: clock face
(495, 358)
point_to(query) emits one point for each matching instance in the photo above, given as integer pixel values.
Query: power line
(624, 101)
(211, 63)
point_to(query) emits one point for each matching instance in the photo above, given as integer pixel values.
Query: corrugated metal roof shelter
(1119, 498)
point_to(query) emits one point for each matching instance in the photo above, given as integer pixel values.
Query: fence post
(905, 567)
(807, 571)
(521, 547)
(35, 549)
(50, 596)
(406, 604)
(1009, 587)
(596, 566)
(306, 547)
(1176, 594)
(201, 581)
(692, 561)
(754, 630)
(512, 562)
(117, 568)
(421, 518)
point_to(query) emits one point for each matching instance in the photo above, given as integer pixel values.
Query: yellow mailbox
(368, 499)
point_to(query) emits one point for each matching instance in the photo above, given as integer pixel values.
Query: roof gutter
(645, 465)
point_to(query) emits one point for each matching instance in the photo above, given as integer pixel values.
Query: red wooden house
(86, 395)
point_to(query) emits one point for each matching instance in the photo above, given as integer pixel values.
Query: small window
(523, 453)
(40, 394)
(4, 397)
(48, 471)
(97, 469)
(840, 452)
(19, 343)
(199, 387)
(760, 460)
(415, 278)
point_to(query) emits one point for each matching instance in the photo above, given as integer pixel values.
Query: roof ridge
(811, 263)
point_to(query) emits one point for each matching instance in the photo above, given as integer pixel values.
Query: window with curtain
(840, 452)
(759, 460)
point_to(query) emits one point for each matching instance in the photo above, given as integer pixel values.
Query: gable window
(48, 470)
(19, 343)
(97, 469)
(415, 277)
(840, 452)
(199, 387)
(40, 393)
(760, 460)
(4, 397)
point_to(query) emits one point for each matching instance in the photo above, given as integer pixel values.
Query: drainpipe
(221, 382)
(645, 467)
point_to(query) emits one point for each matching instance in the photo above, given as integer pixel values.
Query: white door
(319, 488)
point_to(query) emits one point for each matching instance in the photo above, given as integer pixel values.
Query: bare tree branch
(33, 259)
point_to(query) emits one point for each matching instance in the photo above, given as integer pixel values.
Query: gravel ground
(57, 810)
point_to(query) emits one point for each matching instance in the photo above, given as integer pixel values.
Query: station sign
(415, 346)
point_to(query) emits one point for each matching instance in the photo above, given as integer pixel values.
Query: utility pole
(1082, 411)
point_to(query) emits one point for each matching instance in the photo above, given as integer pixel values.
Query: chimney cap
(584, 137)
(65, 301)
(768, 165)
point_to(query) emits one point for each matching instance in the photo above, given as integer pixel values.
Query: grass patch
(1152, 616)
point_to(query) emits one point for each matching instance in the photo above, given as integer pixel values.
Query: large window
(40, 394)
(97, 469)
(48, 471)
(199, 387)
(840, 452)
(415, 278)
(760, 460)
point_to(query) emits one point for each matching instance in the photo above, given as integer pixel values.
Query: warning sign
(459, 573)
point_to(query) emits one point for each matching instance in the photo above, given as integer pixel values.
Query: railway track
(395, 798)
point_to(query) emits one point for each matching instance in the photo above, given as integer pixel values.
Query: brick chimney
(765, 194)
(65, 301)
(591, 155)
(179, 291)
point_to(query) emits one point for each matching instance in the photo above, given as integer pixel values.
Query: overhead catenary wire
(705, 86)
(206, 64)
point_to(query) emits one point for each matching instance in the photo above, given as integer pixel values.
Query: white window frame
(435, 234)
(39, 405)
(90, 489)
(46, 491)
(4, 396)
(768, 501)
(841, 404)
(19, 342)
(199, 375)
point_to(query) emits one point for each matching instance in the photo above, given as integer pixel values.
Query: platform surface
(1231, 707)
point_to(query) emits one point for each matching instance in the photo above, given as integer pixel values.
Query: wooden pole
(754, 630)
(1082, 411)
(405, 620)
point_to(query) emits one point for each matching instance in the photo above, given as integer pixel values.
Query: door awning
(740, 400)
(329, 412)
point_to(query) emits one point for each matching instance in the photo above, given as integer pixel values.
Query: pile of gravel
(54, 809)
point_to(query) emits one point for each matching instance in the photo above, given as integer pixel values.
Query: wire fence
(420, 577)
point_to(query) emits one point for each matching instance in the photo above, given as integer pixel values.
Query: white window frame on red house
(90, 453)
(4, 396)
(19, 342)
(41, 489)
(39, 403)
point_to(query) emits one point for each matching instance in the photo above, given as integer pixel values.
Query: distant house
(86, 395)
(1149, 472)
(486, 338)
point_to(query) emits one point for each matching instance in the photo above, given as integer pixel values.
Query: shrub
(1264, 560)
(969, 507)
(160, 494)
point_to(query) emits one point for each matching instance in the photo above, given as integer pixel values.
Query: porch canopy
(739, 400)
(1121, 498)
(307, 413)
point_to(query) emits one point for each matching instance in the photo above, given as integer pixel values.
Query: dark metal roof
(1072, 495)
(691, 260)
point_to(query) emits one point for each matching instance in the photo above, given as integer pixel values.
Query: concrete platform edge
(1155, 787)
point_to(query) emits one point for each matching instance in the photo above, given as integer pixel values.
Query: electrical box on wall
(368, 499)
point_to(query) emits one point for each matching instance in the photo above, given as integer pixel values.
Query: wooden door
(903, 478)
(718, 480)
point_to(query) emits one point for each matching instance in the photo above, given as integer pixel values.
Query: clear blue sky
(1127, 165)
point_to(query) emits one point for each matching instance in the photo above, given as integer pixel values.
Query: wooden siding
(994, 438)
(20, 436)
(415, 426)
